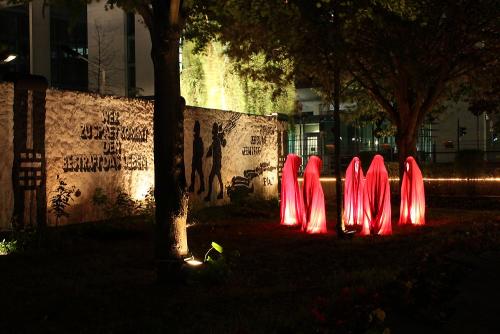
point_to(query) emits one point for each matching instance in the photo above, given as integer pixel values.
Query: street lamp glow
(9, 58)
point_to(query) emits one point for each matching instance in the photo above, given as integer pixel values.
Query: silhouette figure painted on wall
(242, 186)
(197, 161)
(215, 151)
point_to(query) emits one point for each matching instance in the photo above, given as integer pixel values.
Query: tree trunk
(339, 226)
(406, 142)
(477, 131)
(170, 180)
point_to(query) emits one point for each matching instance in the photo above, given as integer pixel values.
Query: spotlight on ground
(192, 261)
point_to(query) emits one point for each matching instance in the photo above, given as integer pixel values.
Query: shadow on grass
(241, 210)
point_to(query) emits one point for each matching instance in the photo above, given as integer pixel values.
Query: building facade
(454, 130)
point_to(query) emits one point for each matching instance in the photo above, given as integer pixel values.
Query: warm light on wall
(141, 187)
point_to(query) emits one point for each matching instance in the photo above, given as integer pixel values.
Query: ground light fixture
(215, 247)
(192, 261)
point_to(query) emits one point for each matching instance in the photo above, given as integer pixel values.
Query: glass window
(68, 28)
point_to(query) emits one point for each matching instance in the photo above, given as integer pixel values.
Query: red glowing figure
(377, 200)
(292, 204)
(412, 209)
(353, 193)
(314, 199)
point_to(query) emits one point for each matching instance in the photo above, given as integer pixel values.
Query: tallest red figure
(412, 209)
(377, 200)
(314, 199)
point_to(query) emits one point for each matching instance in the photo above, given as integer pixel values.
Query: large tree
(408, 57)
(404, 53)
(164, 20)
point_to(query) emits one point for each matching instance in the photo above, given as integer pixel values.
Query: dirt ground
(440, 278)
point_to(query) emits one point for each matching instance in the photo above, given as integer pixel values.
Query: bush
(62, 198)
(8, 247)
(217, 266)
(122, 206)
(19, 241)
(148, 205)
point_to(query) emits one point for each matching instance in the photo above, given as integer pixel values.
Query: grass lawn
(440, 278)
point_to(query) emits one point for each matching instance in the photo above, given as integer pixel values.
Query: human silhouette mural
(242, 186)
(215, 151)
(197, 160)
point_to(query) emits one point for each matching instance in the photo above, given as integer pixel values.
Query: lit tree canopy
(211, 79)
(405, 54)
(408, 59)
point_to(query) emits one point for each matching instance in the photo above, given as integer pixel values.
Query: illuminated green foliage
(211, 79)
(217, 247)
(8, 247)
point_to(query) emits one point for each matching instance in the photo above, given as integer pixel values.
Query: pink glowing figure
(314, 199)
(291, 204)
(412, 209)
(353, 193)
(377, 200)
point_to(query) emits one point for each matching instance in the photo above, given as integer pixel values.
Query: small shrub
(122, 206)
(8, 247)
(99, 198)
(148, 205)
(19, 241)
(216, 267)
(63, 194)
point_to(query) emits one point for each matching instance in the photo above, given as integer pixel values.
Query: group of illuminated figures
(367, 200)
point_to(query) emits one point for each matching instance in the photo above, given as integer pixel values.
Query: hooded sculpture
(377, 200)
(314, 198)
(291, 204)
(412, 209)
(353, 194)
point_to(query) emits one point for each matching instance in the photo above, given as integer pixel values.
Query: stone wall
(98, 142)
(104, 145)
(240, 152)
